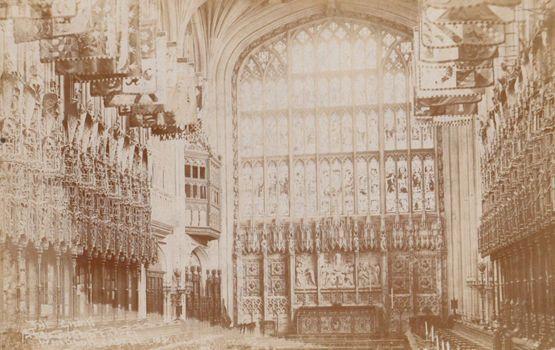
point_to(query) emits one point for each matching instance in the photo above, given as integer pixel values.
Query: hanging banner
(62, 20)
(457, 53)
(445, 120)
(454, 76)
(451, 109)
(447, 35)
(90, 54)
(145, 84)
(469, 14)
(37, 9)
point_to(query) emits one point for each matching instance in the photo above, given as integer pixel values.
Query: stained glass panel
(271, 186)
(311, 207)
(326, 117)
(429, 182)
(348, 188)
(246, 190)
(283, 189)
(374, 186)
(391, 185)
(362, 178)
(299, 189)
(417, 189)
(402, 185)
(324, 188)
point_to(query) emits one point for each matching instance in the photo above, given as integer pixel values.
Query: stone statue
(264, 245)
(373, 238)
(356, 243)
(364, 278)
(318, 239)
(383, 241)
(376, 273)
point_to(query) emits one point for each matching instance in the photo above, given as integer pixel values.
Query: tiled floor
(189, 335)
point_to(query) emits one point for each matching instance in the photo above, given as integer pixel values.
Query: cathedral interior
(319, 174)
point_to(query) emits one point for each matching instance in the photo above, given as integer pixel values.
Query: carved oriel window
(324, 128)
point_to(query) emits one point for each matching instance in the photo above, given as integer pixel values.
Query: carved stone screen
(337, 195)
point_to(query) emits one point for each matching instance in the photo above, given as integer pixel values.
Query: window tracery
(324, 126)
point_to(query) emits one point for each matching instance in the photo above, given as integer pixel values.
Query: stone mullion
(381, 133)
(289, 128)
(262, 113)
(317, 117)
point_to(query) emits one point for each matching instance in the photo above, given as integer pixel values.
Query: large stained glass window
(324, 127)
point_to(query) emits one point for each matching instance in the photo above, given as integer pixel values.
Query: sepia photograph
(277, 174)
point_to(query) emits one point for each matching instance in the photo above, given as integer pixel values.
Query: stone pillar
(319, 262)
(356, 259)
(291, 277)
(115, 304)
(74, 302)
(3, 254)
(265, 280)
(167, 304)
(142, 292)
(103, 298)
(129, 289)
(89, 286)
(28, 291)
(39, 283)
(57, 279)
(19, 271)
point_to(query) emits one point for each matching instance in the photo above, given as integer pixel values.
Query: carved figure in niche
(299, 276)
(264, 245)
(304, 274)
(342, 241)
(176, 280)
(383, 241)
(376, 273)
(318, 241)
(337, 273)
(364, 278)
(356, 244)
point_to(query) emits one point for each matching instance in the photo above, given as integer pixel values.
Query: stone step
(478, 336)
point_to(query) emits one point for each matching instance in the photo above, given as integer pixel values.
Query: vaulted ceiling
(223, 28)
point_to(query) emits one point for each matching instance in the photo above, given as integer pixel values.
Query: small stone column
(57, 289)
(74, 302)
(102, 286)
(39, 283)
(115, 302)
(142, 292)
